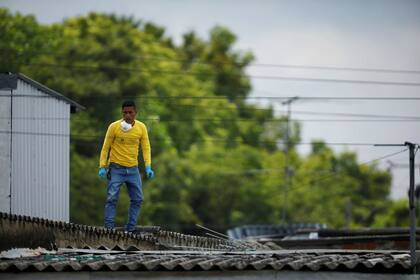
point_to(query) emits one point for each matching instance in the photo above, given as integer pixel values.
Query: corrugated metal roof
(385, 262)
(25, 231)
(193, 253)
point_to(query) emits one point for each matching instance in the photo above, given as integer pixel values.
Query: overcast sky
(372, 34)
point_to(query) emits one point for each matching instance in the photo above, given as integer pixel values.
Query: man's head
(129, 111)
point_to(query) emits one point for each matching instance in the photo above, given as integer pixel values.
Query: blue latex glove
(102, 173)
(149, 172)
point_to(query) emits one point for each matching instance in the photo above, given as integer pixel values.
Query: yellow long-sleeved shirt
(123, 147)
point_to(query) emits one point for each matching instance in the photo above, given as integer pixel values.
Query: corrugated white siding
(5, 150)
(40, 154)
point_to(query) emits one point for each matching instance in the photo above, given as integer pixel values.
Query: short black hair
(129, 103)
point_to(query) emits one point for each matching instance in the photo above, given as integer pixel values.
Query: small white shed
(34, 148)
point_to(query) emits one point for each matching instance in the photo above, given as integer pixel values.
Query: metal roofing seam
(113, 265)
(260, 264)
(331, 265)
(276, 265)
(151, 264)
(226, 264)
(95, 266)
(296, 264)
(60, 265)
(190, 264)
(171, 264)
(131, 265)
(206, 265)
(350, 264)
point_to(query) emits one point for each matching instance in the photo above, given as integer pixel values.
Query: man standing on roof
(120, 155)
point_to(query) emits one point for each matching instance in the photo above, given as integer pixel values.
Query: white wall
(40, 154)
(5, 138)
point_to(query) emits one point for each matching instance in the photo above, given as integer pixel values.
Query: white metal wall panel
(5, 138)
(40, 154)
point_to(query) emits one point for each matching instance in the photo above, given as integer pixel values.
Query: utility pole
(412, 206)
(287, 170)
(411, 201)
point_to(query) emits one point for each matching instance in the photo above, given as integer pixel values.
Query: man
(120, 155)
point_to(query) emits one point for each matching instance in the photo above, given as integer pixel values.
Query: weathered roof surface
(322, 260)
(9, 81)
(157, 252)
(17, 231)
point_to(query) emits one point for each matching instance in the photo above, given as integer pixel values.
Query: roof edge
(75, 107)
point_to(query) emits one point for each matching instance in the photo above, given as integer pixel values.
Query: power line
(193, 106)
(279, 65)
(269, 65)
(384, 157)
(222, 120)
(125, 69)
(335, 68)
(329, 173)
(355, 120)
(101, 137)
(225, 97)
(284, 97)
(320, 171)
(336, 173)
(354, 115)
(261, 109)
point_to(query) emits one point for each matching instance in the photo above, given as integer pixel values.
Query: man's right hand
(102, 173)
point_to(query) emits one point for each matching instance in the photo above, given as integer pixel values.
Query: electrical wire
(330, 174)
(351, 114)
(384, 157)
(399, 117)
(269, 65)
(152, 71)
(335, 68)
(336, 173)
(101, 137)
(212, 120)
(225, 97)
(193, 106)
(318, 172)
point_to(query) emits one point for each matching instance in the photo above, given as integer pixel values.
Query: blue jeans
(117, 176)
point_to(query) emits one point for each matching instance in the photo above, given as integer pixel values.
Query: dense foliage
(217, 157)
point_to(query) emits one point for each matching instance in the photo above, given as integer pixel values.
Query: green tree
(326, 183)
(396, 215)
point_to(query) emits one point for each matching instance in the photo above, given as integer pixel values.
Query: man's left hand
(149, 172)
(102, 173)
